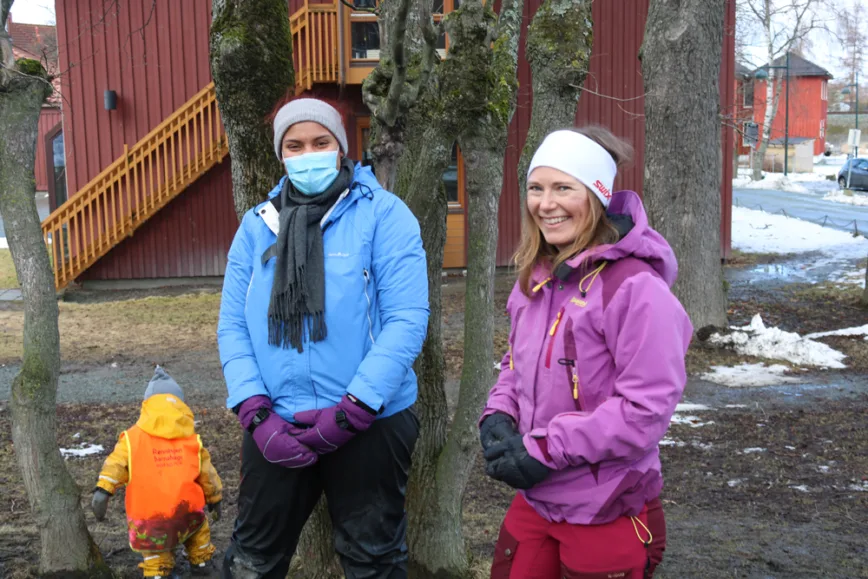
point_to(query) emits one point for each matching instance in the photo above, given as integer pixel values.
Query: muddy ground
(773, 484)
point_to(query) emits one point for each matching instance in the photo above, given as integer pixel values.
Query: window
(747, 89)
(824, 91)
(364, 45)
(450, 178)
(363, 136)
(453, 181)
(822, 129)
(59, 176)
(365, 37)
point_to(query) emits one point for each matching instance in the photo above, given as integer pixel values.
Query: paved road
(810, 207)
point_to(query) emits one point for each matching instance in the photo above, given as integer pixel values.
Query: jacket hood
(640, 241)
(166, 416)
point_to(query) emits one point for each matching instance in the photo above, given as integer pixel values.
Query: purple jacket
(593, 389)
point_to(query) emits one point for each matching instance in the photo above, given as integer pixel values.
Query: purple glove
(273, 435)
(333, 427)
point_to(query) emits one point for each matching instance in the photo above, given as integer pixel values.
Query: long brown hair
(596, 229)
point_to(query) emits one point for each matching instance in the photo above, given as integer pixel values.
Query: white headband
(579, 157)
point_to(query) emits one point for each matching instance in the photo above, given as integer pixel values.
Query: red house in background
(39, 42)
(809, 101)
(149, 182)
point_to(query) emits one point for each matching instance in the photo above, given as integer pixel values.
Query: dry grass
(8, 279)
(131, 328)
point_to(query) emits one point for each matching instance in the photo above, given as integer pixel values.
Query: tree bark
(773, 99)
(315, 556)
(481, 68)
(559, 43)
(681, 67)
(251, 62)
(66, 546)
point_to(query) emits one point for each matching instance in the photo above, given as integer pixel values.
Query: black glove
(497, 427)
(99, 503)
(510, 462)
(216, 511)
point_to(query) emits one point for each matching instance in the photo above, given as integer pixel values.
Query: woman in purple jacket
(594, 370)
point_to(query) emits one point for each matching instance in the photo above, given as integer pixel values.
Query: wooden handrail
(135, 186)
(314, 30)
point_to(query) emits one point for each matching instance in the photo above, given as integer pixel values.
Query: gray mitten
(99, 503)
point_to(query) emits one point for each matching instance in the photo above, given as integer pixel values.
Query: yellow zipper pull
(575, 386)
(557, 321)
(540, 285)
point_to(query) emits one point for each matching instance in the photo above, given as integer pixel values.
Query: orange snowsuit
(169, 479)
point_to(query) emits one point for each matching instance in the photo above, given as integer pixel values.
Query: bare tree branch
(391, 107)
(7, 59)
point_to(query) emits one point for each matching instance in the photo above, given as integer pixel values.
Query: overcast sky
(826, 49)
(33, 11)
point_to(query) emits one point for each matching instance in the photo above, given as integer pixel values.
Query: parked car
(858, 174)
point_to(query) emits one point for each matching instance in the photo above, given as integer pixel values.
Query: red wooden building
(809, 101)
(149, 183)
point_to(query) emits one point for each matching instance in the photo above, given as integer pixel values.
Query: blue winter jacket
(376, 308)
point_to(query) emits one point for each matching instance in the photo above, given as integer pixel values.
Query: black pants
(365, 483)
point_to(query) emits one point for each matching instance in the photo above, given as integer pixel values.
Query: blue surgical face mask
(312, 173)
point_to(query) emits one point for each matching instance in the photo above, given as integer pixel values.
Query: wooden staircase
(135, 186)
(315, 44)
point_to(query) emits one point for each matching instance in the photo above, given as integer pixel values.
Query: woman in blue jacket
(324, 310)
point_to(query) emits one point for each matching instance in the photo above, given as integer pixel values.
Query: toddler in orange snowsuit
(169, 479)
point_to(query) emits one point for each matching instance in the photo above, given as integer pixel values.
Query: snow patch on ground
(838, 196)
(681, 443)
(858, 331)
(775, 344)
(746, 375)
(845, 278)
(692, 421)
(689, 407)
(801, 488)
(82, 451)
(735, 482)
(761, 232)
(753, 450)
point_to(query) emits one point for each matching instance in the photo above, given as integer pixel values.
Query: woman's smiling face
(559, 205)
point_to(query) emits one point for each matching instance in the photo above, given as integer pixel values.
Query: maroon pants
(530, 547)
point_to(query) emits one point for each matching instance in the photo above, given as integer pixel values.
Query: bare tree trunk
(482, 69)
(773, 99)
(66, 546)
(315, 557)
(864, 299)
(251, 62)
(559, 43)
(681, 66)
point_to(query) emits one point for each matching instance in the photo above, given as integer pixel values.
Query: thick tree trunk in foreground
(251, 62)
(559, 43)
(681, 66)
(67, 549)
(482, 69)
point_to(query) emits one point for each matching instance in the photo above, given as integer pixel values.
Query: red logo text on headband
(603, 189)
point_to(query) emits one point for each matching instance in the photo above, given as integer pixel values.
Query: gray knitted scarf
(298, 289)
